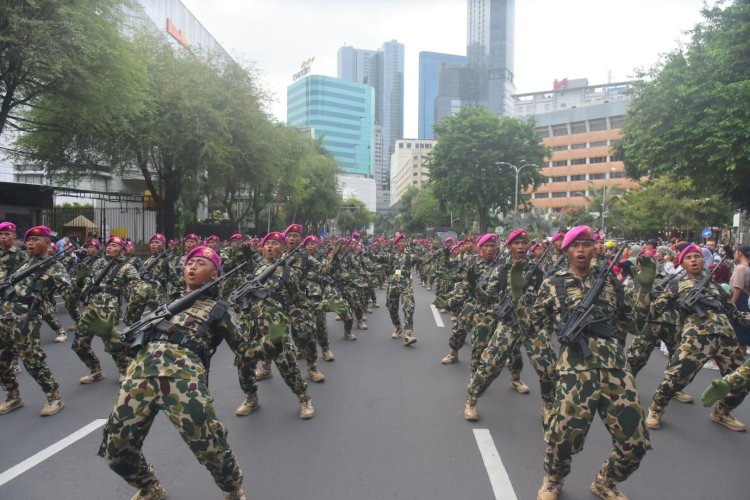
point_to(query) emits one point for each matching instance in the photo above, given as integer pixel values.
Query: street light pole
(517, 170)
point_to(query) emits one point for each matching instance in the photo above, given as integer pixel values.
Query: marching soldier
(19, 331)
(588, 384)
(399, 290)
(156, 271)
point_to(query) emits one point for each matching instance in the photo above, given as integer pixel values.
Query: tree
(420, 210)
(464, 170)
(59, 49)
(353, 216)
(691, 117)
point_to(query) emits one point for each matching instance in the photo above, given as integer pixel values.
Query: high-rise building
(430, 65)
(383, 70)
(341, 113)
(487, 79)
(409, 166)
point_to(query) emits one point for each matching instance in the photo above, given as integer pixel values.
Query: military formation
(569, 301)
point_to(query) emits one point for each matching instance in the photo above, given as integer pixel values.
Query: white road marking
(499, 479)
(43, 455)
(436, 315)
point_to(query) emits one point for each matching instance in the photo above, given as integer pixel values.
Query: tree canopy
(690, 117)
(464, 169)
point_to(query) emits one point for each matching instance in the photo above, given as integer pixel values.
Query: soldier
(12, 256)
(213, 242)
(171, 374)
(508, 335)
(19, 332)
(130, 254)
(156, 271)
(599, 382)
(399, 289)
(265, 312)
(315, 292)
(48, 307)
(706, 334)
(103, 294)
(178, 261)
(343, 278)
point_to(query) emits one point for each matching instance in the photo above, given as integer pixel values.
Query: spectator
(740, 286)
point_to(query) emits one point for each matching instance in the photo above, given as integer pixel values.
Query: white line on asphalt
(43, 455)
(499, 479)
(436, 315)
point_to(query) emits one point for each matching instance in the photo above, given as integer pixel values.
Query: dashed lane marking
(43, 455)
(499, 479)
(436, 315)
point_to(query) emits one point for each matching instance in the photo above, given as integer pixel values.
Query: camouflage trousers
(49, 316)
(71, 296)
(405, 295)
(19, 337)
(460, 328)
(332, 292)
(695, 350)
(502, 347)
(579, 397)
(351, 296)
(321, 330)
(82, 343)
(188, 405)
(643, 345)
(303, 331)
(482, 325)
(740, 378)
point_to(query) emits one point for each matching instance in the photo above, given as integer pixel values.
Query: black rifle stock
(146, 271)
(94, 285)
(696, 298)
(572, 332)
(255, 288)
(7, 287)
(555, 265)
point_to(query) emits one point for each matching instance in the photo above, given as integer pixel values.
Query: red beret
(193, 236)
(237, 236)
(274, 236)
(557, 236)
(516, 233)
(213, 237)
(294, 228)
(94, 243)
(8, 226)
(205, 253)
(38, 231)
(577, 233)
(689, 249)
(310, 239)
(159, 237)
(116, 240)
(487, 238)
(398, 238)
(356, 235)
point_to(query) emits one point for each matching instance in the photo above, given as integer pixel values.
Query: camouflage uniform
(171, 377)
(344, 279)
(105, 300)
(600, 383)
(483, 319)
(303, 269)
(19, 330)
(739, 380)
(398, 288)
(507, 339)
(159, 278)
(73, 292)
(48, 312)
(702, 339)
(461, 299)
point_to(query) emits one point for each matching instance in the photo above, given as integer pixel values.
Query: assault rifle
(255, 287)
(506, 304)
(146, 272)
(698, 298)
(7, 287)
(573, 330)
(92, 287)
(555, 265)
(135, 334)
(664, 282)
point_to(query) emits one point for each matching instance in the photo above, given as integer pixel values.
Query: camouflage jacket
(161, 272)
(11, 260)
(716, 321)
(476, 282)
(282, 286)
(39, 286)
(611, 307)
(401, 264)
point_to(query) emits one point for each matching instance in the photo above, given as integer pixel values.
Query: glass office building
(342, 113)
(429, 68)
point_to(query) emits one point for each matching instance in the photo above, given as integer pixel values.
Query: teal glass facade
(342, 113)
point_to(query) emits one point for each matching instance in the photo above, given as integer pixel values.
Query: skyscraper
(430, 64)
(383, 70)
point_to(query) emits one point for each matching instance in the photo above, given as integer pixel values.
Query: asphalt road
(388, 425)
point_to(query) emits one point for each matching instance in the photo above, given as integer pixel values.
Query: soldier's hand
(246, 251)
(277, 332)
(101, 326)
(440, 303)
(337, 306)
(518, 279)
(718, 389)
(644, 273)
(80, 277)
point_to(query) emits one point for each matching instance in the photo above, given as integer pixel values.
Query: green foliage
(463, 165)
(420, 210)
(353, 216)
(690, 118)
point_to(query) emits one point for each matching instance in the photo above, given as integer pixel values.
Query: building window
(616, 121)
(597, 144)
(598, 124)
(30, 178)
(581, 177)
(617, 157)
(598, 159)
(580, 145)
(560, 194)
(560, 148)
(560, 163)
(559, 130)
(596, 177)
(543, 131)
(541, 195)
(578, 128)
(578, 193)
(617, 175)
(560, 178)
(578, 161)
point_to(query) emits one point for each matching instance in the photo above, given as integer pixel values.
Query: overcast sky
(555, 39)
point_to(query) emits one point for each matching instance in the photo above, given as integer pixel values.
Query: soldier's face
(199, 271)
(311, 248)
(190, 244)
(488, 251)
(272, 249)
(156, 246)
(580, 253)
(113, 250)
(7, 238)
(37, 246)
(538, 251)
(598, 247)
(401, 245)
(519, 248)
(557, 244)
(91, 250)
(213, 244)
(293, 239)
(693, 263)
